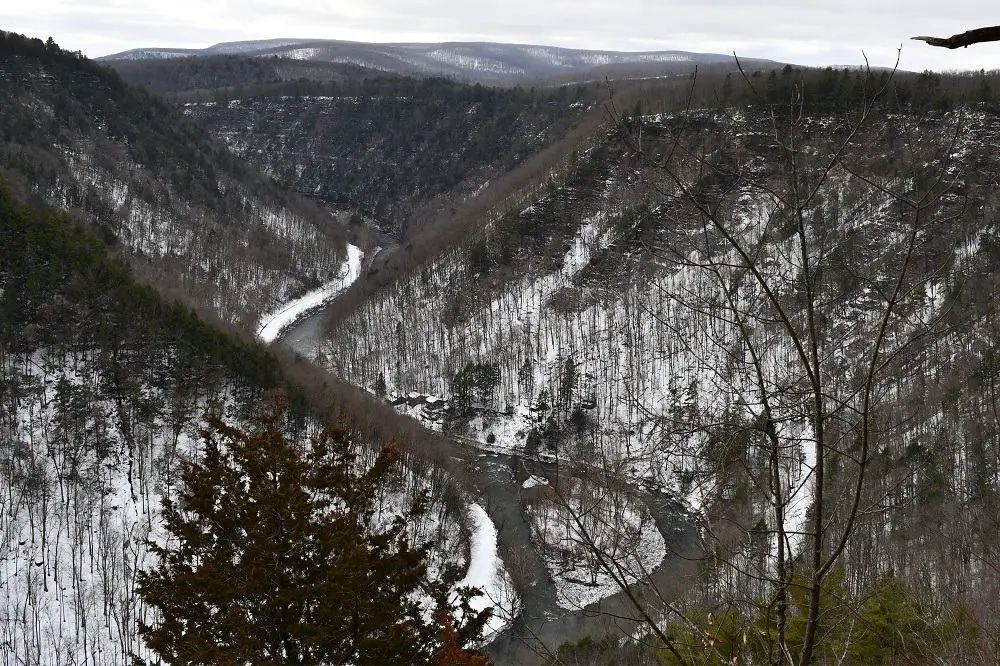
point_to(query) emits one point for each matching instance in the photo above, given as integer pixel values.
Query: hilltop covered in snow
(467, 61)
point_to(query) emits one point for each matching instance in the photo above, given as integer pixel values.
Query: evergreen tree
(278, 556)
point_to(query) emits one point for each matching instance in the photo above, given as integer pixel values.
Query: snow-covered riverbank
(272, 324)
(487, 572)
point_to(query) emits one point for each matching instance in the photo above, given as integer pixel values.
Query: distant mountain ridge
(474, 61)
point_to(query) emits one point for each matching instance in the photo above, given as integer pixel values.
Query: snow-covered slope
(272, 324)
(84, 474)
(474, 61)
(104, 386)
(602, 321)
(81, 496)
(189, 216)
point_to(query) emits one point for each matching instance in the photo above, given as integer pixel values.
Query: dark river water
(542, 625)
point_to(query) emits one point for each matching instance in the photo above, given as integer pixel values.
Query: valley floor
(538, 604)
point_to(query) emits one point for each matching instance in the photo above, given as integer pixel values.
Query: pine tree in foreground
(277, 556)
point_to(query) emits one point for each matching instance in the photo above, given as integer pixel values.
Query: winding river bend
(542, 625)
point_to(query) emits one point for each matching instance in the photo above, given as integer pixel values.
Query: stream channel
(542, 625)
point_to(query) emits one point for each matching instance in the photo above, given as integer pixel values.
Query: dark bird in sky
(991, 34)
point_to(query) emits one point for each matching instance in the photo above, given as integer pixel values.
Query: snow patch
(486, 572)
(271, 325)
(622, 530)
(533, 481)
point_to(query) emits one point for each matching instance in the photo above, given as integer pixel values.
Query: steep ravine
(496, 479)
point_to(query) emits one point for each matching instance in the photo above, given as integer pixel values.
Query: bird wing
(977, 36)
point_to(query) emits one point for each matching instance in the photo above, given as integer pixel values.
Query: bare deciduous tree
(804, 269)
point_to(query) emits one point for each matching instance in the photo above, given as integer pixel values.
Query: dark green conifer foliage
(279, 556)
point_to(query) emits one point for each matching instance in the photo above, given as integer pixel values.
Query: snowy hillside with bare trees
(190, 217)
(752, 314)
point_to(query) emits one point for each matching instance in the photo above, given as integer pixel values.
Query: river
(542, 624)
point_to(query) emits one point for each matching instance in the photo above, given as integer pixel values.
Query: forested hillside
(104, 388)
(710, 360)
(777, 308)
(392, 150)
(106, 384)
(190, 217)
(470, 62)
(236, 72)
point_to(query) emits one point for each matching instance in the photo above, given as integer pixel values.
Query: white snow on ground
(797, 474)
(572, 594)
(271, 325)
(301, 54)
(487, 573)
(80, 497)
(587, 239)
(80, 494)
(533, 481)
(623, 531)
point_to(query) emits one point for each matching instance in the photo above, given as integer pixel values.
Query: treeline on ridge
(812, 90)
(388, 148)
(209, 74)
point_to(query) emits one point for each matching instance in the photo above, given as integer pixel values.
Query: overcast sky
(809, 32)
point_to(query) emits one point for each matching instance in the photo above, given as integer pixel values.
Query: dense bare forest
(389, 150)
(106, 388)
(691, 369)
(758, 306)
(189, 215)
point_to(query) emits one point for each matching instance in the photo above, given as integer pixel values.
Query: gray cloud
(820, 32)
